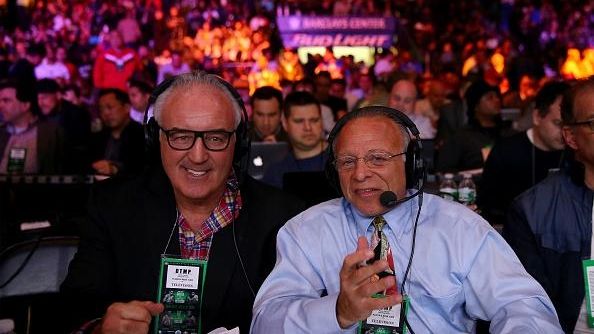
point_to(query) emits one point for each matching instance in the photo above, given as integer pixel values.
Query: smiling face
(362, 186)
(198, 175)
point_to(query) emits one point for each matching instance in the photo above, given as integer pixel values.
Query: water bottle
(467, 190)
(448, 188)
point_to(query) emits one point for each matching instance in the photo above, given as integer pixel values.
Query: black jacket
(129, 225)
(549, 227)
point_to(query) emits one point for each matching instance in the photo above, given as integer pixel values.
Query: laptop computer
(263, 154)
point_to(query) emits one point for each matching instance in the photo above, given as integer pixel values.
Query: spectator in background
(119, 147)
(469, 147)
(23, 69)
(28, 144)
(139, 93)
(435, 98)
(129, 29)
(74, 121)
(302, 120)
(71, 93)
(173, 68)
(328, 119)
(322, 86)
(521, 161)
(403, 97)
(51, 68)
(115, 66)
(550, 226)
(266, 105)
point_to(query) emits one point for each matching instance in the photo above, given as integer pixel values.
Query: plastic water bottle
(448, 188)
(467, 190)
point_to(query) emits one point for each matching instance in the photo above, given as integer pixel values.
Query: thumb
(362, 244)
(153, 308)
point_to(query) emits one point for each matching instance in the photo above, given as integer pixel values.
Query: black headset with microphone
(242, 140)
(414, 164)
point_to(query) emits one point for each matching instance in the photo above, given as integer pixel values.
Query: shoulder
(318, 219)
(446, 217)
(122, 189)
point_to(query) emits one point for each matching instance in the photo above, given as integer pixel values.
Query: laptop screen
(263, 154)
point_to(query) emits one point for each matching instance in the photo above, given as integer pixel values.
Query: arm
(519, 235)
(293, 300)
(506, 295)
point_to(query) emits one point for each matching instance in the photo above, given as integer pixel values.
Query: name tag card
(386, 321)
(16, 160)
(181, 283)
(588, 266)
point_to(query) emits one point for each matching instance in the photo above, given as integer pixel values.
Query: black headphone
(414, 164)
(242, 141)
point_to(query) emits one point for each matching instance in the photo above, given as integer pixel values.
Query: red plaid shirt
(197, 245)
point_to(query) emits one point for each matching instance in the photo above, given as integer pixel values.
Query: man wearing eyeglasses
(347, 266)
(196, 202)
(550, 225)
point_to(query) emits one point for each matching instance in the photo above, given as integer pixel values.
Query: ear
(284, 121)
(569, 137)
(536, 119)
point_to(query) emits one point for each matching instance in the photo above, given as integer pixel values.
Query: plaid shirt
(197, 245)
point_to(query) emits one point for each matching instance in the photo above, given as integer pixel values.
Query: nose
(307, 125)
(198, 153)
(360, 171)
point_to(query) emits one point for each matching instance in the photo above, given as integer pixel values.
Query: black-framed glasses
(589, 123)
(183, 140)
(371, 159)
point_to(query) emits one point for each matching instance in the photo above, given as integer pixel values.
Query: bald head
(403, 96)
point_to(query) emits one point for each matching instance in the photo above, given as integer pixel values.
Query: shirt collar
(399, 219)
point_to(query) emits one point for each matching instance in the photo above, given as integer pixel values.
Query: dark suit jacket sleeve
(520, 237)
(89, 285)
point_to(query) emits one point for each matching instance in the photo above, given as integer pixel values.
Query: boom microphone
(388, 199)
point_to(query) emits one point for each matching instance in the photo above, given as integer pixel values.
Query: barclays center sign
(298, 31)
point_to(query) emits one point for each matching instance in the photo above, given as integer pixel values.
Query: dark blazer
(119, 253)
(131, 159)
(50, 146)
(549, 227)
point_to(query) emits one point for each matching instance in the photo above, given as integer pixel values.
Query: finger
(134, 310)
(363, 274)
(153, 308)
(362, 244)
(383, 284)
(352, 261)
(383, 302)
(133, 327)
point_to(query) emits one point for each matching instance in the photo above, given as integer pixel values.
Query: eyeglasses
(371, 159)
(589, 123)
(183, 140)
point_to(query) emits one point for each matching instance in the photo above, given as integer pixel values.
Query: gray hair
(371, 112)
(195, 78)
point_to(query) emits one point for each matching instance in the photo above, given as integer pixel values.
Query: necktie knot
(379, 222)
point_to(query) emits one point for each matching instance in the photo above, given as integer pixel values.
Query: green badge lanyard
(588, 267)
(181, 291)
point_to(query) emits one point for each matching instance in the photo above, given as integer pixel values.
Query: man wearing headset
(328, 266)
(196, 202)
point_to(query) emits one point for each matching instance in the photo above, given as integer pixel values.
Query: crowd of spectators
(87, 47)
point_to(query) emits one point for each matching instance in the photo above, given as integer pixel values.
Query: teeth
(195, 172)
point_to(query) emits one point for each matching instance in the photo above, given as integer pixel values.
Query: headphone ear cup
(415, 165)
(151, 136)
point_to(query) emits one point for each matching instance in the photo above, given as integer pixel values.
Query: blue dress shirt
(462, 270)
